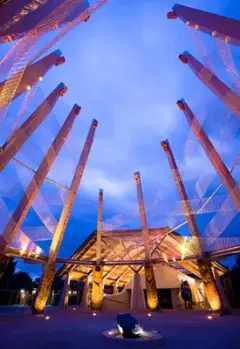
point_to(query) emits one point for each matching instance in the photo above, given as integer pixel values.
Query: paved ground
(73, 329)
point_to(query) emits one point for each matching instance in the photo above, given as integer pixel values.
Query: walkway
(75, 330)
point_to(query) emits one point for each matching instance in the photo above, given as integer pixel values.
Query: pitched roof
(128, 245)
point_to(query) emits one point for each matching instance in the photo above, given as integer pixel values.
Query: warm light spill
(22, 251)
(187, 23)
(40, 78)
(214, 33)
(28, 87)
(165, 257)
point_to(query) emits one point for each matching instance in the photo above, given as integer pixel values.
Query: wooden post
(31, 76)
(221, 27)
(97, 279)
(212, 154)
(34, 186)
(204, 265)
(152, 294)
(222, 91)
(24, 132)
(46, 281)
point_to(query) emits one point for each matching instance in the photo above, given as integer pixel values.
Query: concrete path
(73, 329)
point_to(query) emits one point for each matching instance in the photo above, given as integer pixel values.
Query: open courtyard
(119, 174)
(75, 329)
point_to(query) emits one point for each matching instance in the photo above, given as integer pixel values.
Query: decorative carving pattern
(152, 296)
(210, 286)
(97, 288)
(43, 290)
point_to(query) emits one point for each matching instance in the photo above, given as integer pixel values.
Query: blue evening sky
(122, 67)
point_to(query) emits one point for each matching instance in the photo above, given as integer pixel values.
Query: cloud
(122, 68)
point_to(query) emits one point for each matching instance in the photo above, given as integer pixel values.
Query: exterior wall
(177, 301)
(169, 278)
(165, 276)
(119, 301)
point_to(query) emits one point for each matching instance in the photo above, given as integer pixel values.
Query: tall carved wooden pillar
(97, 279)
(24, 132)
(97, 288)
(210, 80)
(221, 27)
(216, 160)
(204, 265)
(65, 215)
(35, 184)
(151, 288)
(210, 287)
(43, 289)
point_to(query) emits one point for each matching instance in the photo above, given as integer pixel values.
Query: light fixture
(149, 314)
(94, 314)
(214, 33)
(22, 251)
(28, 87)
(120, 329)
(196, 26)
(74, 308)
(210, 317)
(188, 23)
(47, 317)
(40, 78)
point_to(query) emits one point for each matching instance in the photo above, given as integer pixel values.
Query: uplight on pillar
(152, 295)
(97, 288)
(151, 288)
(97, 279)
(204, 265)
(210, 287)
(43, 290)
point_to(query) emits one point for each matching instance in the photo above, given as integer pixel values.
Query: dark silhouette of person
(186, 294)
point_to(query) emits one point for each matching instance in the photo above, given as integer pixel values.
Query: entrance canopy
(127, 246)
